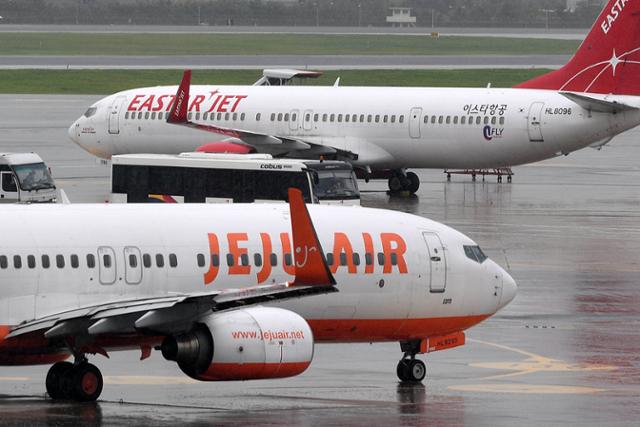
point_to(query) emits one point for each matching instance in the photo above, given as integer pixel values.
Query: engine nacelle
(247, 344)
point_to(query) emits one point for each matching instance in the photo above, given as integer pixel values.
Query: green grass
(110, 81)
(256, 44)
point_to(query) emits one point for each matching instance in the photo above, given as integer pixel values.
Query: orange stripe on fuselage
(370, 330)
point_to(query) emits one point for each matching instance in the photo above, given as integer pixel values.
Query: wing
(178, 312)
(265, 143)
(281, 77)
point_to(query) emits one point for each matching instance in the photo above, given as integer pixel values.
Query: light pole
(317, 13)
(359, 14)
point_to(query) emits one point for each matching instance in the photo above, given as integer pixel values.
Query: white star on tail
(614, 61)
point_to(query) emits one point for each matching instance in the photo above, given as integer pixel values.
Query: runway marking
(533, 364)
(526, 389)
(147, 380)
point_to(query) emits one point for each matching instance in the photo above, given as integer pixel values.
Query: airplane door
(438, 262)
(132, 265)
(114, 115)
(535, 120)
(293, 122)
(107, 265)
(414, 122)
(307, 123)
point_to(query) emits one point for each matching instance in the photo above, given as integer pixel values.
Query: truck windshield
(336, 184)
(34, 176)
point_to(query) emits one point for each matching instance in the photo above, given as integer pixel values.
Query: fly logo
(614, 13)
(490, 133)
(387, 255)
(217, 103)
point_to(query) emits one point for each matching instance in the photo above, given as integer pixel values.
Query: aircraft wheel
(414, 182)
(417, 370)
(55, 382)
(395, 184)
(86, 382)
(402, 370)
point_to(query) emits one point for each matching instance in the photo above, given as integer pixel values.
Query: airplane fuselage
(388, 128)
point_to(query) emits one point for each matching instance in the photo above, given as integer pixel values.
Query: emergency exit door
(414, 122)
(437, 262)
(114, 114)
(535, 122)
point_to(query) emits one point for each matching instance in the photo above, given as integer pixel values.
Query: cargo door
(437, 261)
(414, 122)
(114, 114)
(535, 122)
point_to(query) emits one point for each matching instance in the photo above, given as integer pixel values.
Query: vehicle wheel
(414, 182)
(86, 382)
(417, 370)
(55, 382)
(395, 184)
(402, 370)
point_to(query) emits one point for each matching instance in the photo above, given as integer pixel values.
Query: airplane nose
(509, 289)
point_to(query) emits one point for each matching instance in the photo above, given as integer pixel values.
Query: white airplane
(189, 280)
(385, 130)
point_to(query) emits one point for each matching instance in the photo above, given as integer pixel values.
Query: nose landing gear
(409, 368)
(79, 381)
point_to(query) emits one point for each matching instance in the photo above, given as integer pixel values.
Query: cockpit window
(90, 111)
(475, 253)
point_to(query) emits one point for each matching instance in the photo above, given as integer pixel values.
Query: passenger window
(257, 260)
(426, 119)
(205, 115)
(493, 120)
(401, 120)
(329, 258)
(197, 116)
(455, 120)
(377, 118)
(343, 258)
(346, 118)
(393, 119)
(200, 259)
(433, 119)
(60, 261)
(3, 262)
(380, 258)
(324, 117)
(31, 261)
(215, 260)
(356, 259)
(140, 115)
(226, 116)
(106, 261)
(339, 118)
(369, 117)
(354, 118)
(244, 260)
(368, 258)
(219, 116)
(153, 116)
(307, 117)
(46, 263)
(486, 120)
(75, 263)
(440, 120)
(235, 116)
(315, 117)
(385, 118)
(159, 260)
(126, 115)
(286, 117)
(463, 120)
(173, 260)
(133, 261)
(146, 260)
(448, 119)
(91, 261)
(361, 118)
(230, 260)
(332, 118)
(258, 117)
(501, 120)
(273, 259)
(478, 120)
(394, 258)
(273, 116)
(294, 117)
(146, 115)
(279, 117)
(287, 259)
(17, 262)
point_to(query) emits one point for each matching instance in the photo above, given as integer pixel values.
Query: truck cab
(24, 178)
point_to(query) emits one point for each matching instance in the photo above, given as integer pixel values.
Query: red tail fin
(607, 61)
(308, 257)
(178, 113)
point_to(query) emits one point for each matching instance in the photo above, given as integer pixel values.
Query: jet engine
(247, 344)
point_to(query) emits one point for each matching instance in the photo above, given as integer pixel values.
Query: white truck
(24, 178)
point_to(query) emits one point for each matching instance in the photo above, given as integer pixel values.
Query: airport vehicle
(229, 178)
(25, 178)
(188, 279)
(386, 130)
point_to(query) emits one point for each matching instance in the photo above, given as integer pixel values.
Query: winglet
(310, 263)
(178, 113)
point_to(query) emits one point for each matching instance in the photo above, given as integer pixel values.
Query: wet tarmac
(565, 351)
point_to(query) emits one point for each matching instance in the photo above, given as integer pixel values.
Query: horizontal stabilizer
(597, 105)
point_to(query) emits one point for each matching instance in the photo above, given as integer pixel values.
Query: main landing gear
(403, 181)
(410, 369)
(79, 381)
